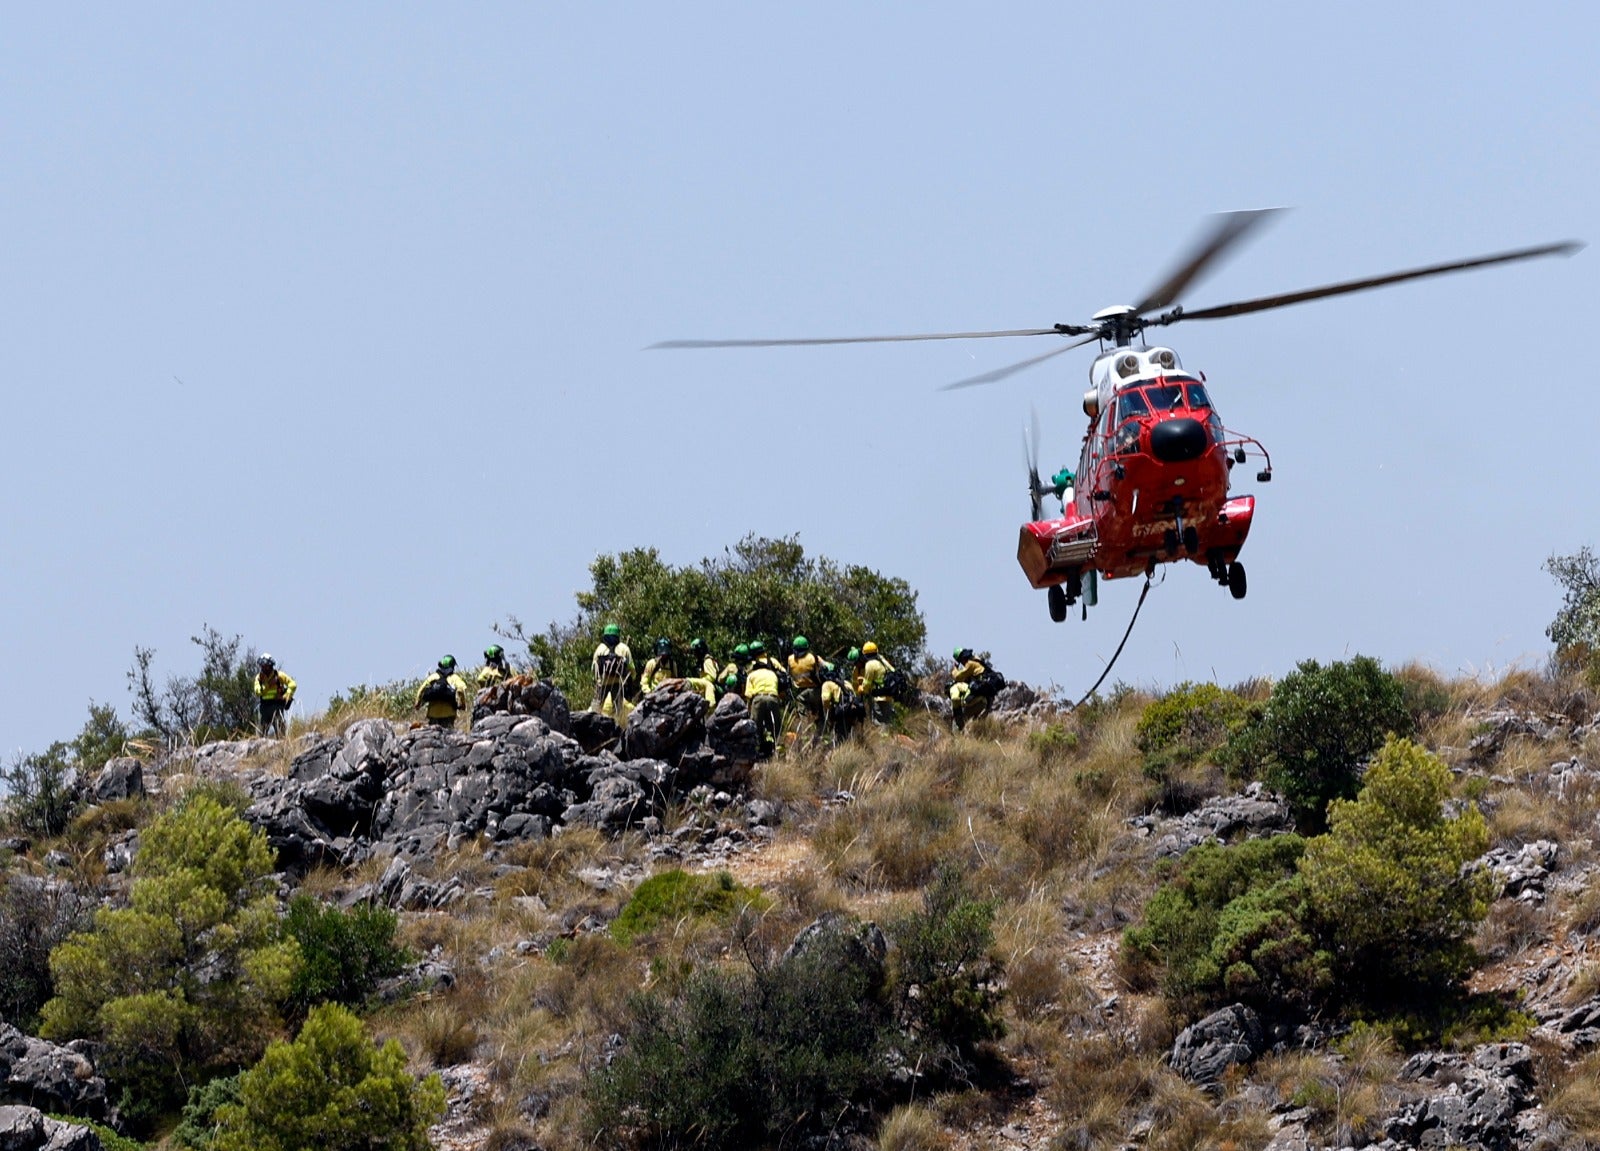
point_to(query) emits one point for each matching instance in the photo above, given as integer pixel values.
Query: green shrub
(1310, 739)
(103, 737)
(41, 792)
(750, 1056)
(187, 978)
(197, 1127)
(1389, 888)
(343, 954)
(1577, 623)
(216, 703)
(670, 896)
(333, 1090)
(109, 1140)
(946, 979)
(1231, 926)
(1188, 723)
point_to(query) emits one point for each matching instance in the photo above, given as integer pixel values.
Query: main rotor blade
(1227, 230)
(849, 339)
(1012, 369)
(1565, 248)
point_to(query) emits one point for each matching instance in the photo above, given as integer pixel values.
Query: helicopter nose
(1174, 441)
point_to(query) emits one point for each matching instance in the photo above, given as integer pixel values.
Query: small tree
(761, 589)
(42, 792)
(188, 978)
(218, 703)
(1576, 629)
(946, 978)
(1317, 728)
(35, 916)
(331, 1089)
(343, 954)
(1389, 886)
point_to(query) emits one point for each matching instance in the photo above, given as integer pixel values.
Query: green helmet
(697, 645)
(493, 651)
(801, 643)
(853, 655)
(447, 663)
(757, 647)
(612, 631)
(741, 652)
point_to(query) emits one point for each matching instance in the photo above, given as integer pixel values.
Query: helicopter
(1155, 473)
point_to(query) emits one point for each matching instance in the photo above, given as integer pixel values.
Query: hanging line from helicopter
(1145, 591)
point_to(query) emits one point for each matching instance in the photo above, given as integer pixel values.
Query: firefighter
(973, 686)
(660, 667)
(444, 692)
(731, 677)
(495, 669)
(701, 662)
(841, 709)
(613, 669)
(871, 685)
(275, 690)
(763, 687)
(806, 669)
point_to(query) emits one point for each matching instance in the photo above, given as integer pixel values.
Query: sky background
(323, 324)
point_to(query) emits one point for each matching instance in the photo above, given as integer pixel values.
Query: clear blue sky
(323, 323)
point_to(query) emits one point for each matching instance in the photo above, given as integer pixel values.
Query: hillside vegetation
(918, 939)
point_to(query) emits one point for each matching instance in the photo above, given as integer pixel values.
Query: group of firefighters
(835, 697)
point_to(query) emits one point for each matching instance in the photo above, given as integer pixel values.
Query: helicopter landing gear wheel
(1236, 581)
(1058, 603)
(1074, 587)
(1191, 539)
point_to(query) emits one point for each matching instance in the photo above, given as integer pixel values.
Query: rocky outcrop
(1478, 1101)
(29, 1129)
(1204, 1050)
(37, 1073)
(408, 794)
(525, 695)
(1251, 814)
(1521, 871)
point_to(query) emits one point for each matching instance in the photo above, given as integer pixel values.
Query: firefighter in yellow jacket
(275, 690)
(763, 688)
(806, 670)
(445, 693)
(660, 667)
(872, 669)
(495, 668)
(613, 668)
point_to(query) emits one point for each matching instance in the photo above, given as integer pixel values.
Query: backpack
(611, 667)
(439, 691)
(897, 686)
(988, 682)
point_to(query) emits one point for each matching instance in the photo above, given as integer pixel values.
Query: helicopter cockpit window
(1164, 397)
(1130, 404)
(1198, 397)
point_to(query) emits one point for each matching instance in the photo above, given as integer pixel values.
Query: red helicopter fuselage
(1152, 484)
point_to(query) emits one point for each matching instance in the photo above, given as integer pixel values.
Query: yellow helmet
(869, 648)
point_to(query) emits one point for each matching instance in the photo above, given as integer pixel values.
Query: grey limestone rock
(120, 778)
(37, 1073)
(1478, 1103)
(666, 723)
(29, 1129)
(1204, 1050)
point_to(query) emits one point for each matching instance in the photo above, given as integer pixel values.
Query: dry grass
(1572, 1096)
(1512, 929)
(912, 1128)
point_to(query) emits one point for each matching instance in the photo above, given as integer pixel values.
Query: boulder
(667, 722)
(732, 734)
(37, 1073)
(1522, 871)
(120, 778)
(29, 1129)
(525, 695)
(595, 732)
(1204, 1050)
